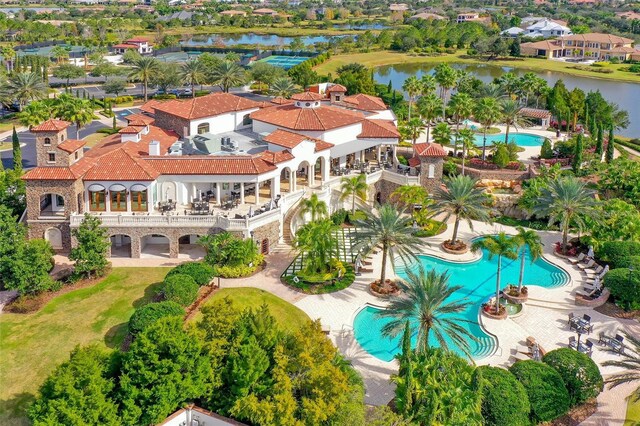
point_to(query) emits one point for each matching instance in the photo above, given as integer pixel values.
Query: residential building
(233, 13)
(398, 7)
(187, 168)
(196, 416)
(265, 12)
(427, 15)
(547, 28)
(141, 44)
(590, 46)
(472, 17)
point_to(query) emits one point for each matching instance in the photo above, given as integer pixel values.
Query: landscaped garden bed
(459, 247)
(389, 289)
(489, 310)
(512, 294)
(307, 284)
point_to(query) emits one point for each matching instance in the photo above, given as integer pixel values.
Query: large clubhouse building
(187, 168)
(591, 46)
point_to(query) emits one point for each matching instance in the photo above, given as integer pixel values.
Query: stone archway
(120, 245)
(188, 247)
(54, 236)
(155, 246)
(287, 180)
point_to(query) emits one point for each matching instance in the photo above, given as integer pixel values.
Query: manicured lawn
(8, 124)
(288, 316)
(32, 345)
(94, 138)
(377, 58)
(633, 413)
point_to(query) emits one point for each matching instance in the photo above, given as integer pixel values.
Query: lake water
(251, 39)
(626, 95)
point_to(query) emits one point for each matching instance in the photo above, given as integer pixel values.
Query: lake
(251, 39)
(626, 95)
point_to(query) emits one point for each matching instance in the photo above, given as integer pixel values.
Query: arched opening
(52, 205)
(54, 236)
(139, 198)
(120, 245)
(97, 198)
(379, 197)
(264, 246)
(188, 247)
(285, 180)
(203, 128)
(302, 174)
(118, 198)
(154, 246)
(47, 141)
(318, 169)
(168, 191)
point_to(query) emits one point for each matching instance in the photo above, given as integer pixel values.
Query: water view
(626, 95)
(251, 39)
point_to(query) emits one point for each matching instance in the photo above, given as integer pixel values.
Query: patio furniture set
(583, 326)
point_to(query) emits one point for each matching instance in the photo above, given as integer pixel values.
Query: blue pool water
(478, 281)
(521, 139)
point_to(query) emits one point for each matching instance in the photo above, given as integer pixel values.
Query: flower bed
(513, 296)
(389, 289)
(315, 287)
(458, 247)
(489, 310)
(572, 251)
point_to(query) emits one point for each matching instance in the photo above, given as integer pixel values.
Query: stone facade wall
(42, 151)
(270, 232)
(37, 229)
(498, 174)
(385, 189)
(431, 184)
(168, 121)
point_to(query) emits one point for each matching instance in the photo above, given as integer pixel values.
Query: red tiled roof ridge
(71, 145)
(51, 125)
(430, 149)
(379, 128)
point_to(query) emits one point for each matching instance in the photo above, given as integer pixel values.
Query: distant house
(513, 32)
(183, 15)
(233, 13)
(595, 46)
(141, 44)
(547, 28)
(398, 7)
(265, 12)
(472, 17)
(629, 15)
(193, 416)
(427, 15)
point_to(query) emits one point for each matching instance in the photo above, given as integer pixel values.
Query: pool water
(478, 281)
(521, 139)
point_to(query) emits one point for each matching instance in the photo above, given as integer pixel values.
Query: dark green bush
(546, 151)
(547, 394)
(339, 216)
(579, 373)
(504, 399)
(617, 253)
(180, 288)
(150, 313)
(357, 215)
(624, 286)
(201, 272)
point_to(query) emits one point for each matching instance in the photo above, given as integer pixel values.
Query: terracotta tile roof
(320, 118)
(125, 46)
(276, 157)
(51, 125)
(279, 100)
(414, 162)
(150, 106)
(138, 39)
(535, 113)
(130, 130)
(599, 37)
(141, 148)
(307, 96)
(121, 165)
(366, 102)
(139, 118)
(74, 172)
(206, 106)
(338, 88)
(210, 165)
(372, 129)
(290, 140)
(71, 145)
(429, 150)
(322, 145)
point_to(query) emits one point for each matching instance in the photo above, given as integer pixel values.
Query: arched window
(97, 198)
(118, 197)
(203, 128)
(47, 141)
(139, 198)
(432, 171)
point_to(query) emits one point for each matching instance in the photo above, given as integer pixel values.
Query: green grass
(287, 316)
(633, 413)
(34, 344)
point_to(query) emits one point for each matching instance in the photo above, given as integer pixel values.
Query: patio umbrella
(250, 214)
(590, 253)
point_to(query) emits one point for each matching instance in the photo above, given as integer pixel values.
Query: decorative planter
(490, 313)
(517, 299)
(384, 293)
(458, 248)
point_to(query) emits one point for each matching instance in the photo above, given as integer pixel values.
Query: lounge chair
(524, 349)
(521, 357)
(594, 272)
(587, 265)
(578, 259)
(588, 293)
(573, 343)
(587, 348)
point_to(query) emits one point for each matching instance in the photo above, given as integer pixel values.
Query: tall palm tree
(412, 129)
(461, 106)
(430, 107)
(568, 201)
(143, 68)
(319, 243)
(468, 141)
(354, 187)
(78, 111)
(510, 84)
(427, 84)
(390, 228)
(446, 77)
(24, 87)
(228, 74)
(283, 87)
(412, 87)
(512, 116)
(442, 134)
(487, 112)
(500, 245)
(425, 301)
(630, 363)
(35, 113)
(313, 206)
(462, 199)
(192, 73)
(527, 240)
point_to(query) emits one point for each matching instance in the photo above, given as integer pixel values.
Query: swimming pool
(478, 281)
(521, 139)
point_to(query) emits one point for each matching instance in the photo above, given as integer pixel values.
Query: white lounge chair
(588, 265)
(578, 259)
(594, 272)
(587, 293)
(521, 357)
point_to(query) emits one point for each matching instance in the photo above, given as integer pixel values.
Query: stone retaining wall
(498, 174)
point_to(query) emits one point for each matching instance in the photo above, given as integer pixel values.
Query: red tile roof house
(141, 44)
(187, 168)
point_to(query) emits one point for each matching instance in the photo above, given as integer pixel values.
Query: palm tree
(468, 140)
(35, 113)
(354, 187)
(59, 53)
(442, 134)
(391, 229)
(461, 106)
(527, 240)
(313, 206)
(78, 111)
(283, 87)
(630, 363)
(228, 74)
(24, 87)
(446, 77)
(142, 70)
(319, 243)
(425, 300)
(500, 245)
(192, 73)
(488, 112)
(427, 84)
(512, 116)
(567, 201)
(412, 87)
(430, 107)
(412, 129)
(460, 198)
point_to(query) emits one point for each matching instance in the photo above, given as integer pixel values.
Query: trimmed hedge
(150, 313)
(202, 273)
(180, 288)
(618, 253)
(504, 399)
(624, 286)
(547, 394)
(579, 373)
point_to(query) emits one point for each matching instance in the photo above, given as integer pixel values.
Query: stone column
(195, 191)
(136, 246)
(174, 247)
(393, 154)
(107, 201)
(129, 203)
(218, 200)
(325, 169)
(292, 181)
(241, 192)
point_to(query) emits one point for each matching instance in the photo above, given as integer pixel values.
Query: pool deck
(544, 317)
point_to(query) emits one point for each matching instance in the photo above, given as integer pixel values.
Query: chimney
(154, 148)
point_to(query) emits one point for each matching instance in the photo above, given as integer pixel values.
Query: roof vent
(154, 148)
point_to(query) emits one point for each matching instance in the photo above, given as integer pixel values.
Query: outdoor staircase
(287, 236)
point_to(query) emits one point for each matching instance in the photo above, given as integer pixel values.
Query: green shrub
(547, 394)
(339, 216)
(579, 373)
(546, 150)
(201, 272)
(625, 287)
(237, 271)
(450, 168)
(180, 288)
(167, 96)
(617, 253)
(501, 156)
(357, 215)
(150, 313)
(431, 228)
(403, 160)
(504, 399)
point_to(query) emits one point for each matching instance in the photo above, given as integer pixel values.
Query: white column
(257, 192)
(241, 192)
(292, 181)
(326, 165)
(362, 156)
(150, 200)
(107, 201)
(393, 152)
(311, 175)
(218, 200)
(194, 190)
(275, 187)
(128, 196)
(378, 153)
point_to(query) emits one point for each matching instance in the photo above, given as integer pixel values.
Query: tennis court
(284, 62)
